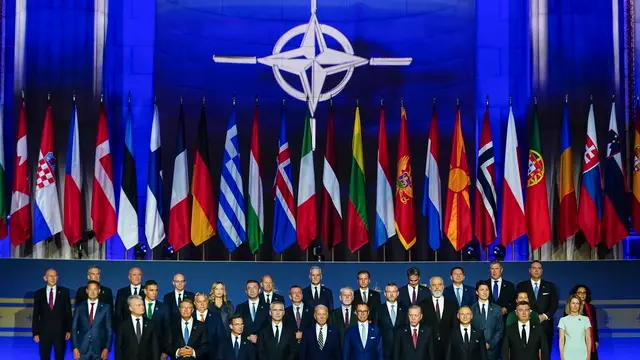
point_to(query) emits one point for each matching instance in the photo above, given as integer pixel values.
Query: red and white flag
(513, 223)
(331, 228)
(20, 221)
(103, 209)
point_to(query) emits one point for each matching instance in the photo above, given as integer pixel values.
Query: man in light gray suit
(488, 318)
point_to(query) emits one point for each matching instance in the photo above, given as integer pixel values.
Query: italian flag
(307, 224)
(256, 203)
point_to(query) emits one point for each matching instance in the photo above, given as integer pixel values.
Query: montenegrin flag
(635, 202)
(405, 215)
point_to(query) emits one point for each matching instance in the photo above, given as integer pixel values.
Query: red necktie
(51, 299)
(413, 299)
(202, 317)
(346, 318)
(415, 338)
(91, 312)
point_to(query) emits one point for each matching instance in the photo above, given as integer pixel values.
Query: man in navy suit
(121, 309)
(159, 314)
(487, 317)
(391, 317)
(189, 339)
(91, 326)
(413, 293)
(414, 341)
(363, 341)
(503, 292)
(464, 295)
(466, 342)
(316, 293)
(344, 316)
(93, 273)
(51, 324)
(235, 346)
(320, 342)
(298, 313)
(267, 295)
(254, 313)
(367, 295)
(213, 322)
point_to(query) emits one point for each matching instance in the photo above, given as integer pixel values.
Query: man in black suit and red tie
(439, 313)
(503, 292)
(413, 293)
(366, 295)
(137, 338)
(415, 340)
(466, 342)
(317, 294)
(51, 324)
(93, 274)
(391, 317)
(344, 316)
(320, 342)
(523, 340)
(121, 310)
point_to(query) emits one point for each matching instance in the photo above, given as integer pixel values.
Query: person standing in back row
(51, 324)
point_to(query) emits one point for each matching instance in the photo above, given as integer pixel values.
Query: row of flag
(193, 217)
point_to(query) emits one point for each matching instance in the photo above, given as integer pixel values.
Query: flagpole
(306, 253)
(436, 255)
(409, 251)
(384, 252)
(255, 257)
(333, 254)
(203, 256)
(281, 257)
(358, 255)
(229, 256)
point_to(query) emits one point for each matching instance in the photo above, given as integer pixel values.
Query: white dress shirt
(346, 308)
(295, 309)
(251, 303)
(133, 289)
(177, 295)
(189, 326)
(395, 307)
(364, 328)
(468, 327)
(315, 288)
(493, 281)
(364, 294)
(233, 340)
(324, 333)
(146, 306)
(201, 315)
(269, 294)
(410, 291)
(55, 290)
(416, 328)
(527, 329)
(440, 302)
(95, 307)
(533, 285)
(273, 328)
(486, 307)
(133, 319)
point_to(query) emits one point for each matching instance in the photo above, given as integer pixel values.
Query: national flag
(536, 204)
(153, 223)
(232, 223)
(513, 223)
(568, 217)
(255, 220)
(179, 215)
(20, 229)
(432, 201)
(128, 208)
(458, 211)
(47, 220)
(72, 222)
(284, 216)
(3, 180)
(203, 211)
(307, 208)
(404, 214)
(385, 227)
(590, 206)
(357, 221)
(486, 205)
(331, 227)
(615, 214)
(103, 202)
(635, 202)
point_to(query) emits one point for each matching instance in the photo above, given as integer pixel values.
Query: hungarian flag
(307, 208)
(537, 205)
(568, 219)
(615, 213)
(3, 180)
(128, 209)
(486, 205)
(404, 213)
(331, 228)
(357, 221)
(72, 222)
(458, 211)
(203, 211)
(384, 197)
(590, 206)
(513, 223)
(635, 203)
(179, 216)
(103, 201)
(255, 220)
(20, 230)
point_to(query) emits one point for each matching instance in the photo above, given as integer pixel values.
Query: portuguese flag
(536, 204)
(357, 224)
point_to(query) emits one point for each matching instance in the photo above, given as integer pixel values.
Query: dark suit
(506, 295)
(546, 303)
(215, 330)
(272, 297)
(306, 317)
(387, 329)
(336, 320)
(353, 350)
(271, 349)
(475, 350)
(468, 295)
(121, 308)
(404, 350)
(169, 299)
(441, 329)
(373, 300)
(252, 327)
(492, 327)
(92, 338)
(51, 324)
(514, 348)
(225, 311)
(405, 300)
(325, 297)
(105, 296)
(127, 345)
(198, 339)
(309, 349)
(247, 350)
(162, 318)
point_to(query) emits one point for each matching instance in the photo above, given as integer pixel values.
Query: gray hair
(315, 268)
(346, 288)
(435, 277)
(133, 297)
(315, 310)
(415, 307)
(276, 303)
(200, 294)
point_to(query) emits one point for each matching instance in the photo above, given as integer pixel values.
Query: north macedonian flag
(405, 220)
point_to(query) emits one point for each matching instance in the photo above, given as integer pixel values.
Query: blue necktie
(236, 347)
(253, 312)
(496, 290)
(363, 336)
(535, 290)
(186, 333)
(458, 296)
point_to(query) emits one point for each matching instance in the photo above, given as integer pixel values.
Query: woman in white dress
(575, 334)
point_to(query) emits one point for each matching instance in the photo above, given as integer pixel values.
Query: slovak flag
(590, 208)
(73, 184)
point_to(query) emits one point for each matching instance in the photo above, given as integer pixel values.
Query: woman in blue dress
(575, 332)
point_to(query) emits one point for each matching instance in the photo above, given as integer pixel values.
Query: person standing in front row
(321, 341)
(51, 324)
(91, 333)
(487, 317)
(137, 338)
(575, 332)
(523, 340)
(414, 341)
(362, 341)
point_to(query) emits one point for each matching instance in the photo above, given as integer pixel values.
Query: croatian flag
(284, 218)
(432, 203)
(47, 220)
(590, 207)
(72, 226)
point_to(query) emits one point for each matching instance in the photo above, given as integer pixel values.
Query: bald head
(51, 277)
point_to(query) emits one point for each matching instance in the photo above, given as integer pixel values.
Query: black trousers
(57, 342)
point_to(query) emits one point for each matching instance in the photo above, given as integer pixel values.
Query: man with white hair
(345, 316)
(316, 293)
(440, 315)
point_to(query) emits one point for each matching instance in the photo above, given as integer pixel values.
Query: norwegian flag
(486, 207)
(103, 202)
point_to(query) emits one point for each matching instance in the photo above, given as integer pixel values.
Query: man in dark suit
(277, 339)
(414, 341)
(464, 295)
(121, 310)
(298, 313)
(487, 318)
(316, 293)
(439, 313)
(391, 317)
(362, 341)
(212, 320)
(159, 313)
(137, 338)
(366, 295)
(344, 316)
(173, 299)
(51, 324)
(503, 292)
(413, 293)
(235, 346)
(93, 274)
(254, 313)
(267, 295)
(466, 342)
(523, 340)
(543, 297)
(189, 338)
(320, 342)
(91, 333)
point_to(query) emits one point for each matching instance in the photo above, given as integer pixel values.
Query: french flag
(72, 225)
(180, 210)
(590, 208)
(432, 202)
